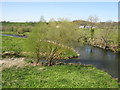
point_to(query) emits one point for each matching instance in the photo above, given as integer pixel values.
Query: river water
(13, 35)
(100, 58)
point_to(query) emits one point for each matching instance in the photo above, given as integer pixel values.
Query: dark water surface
(13, 35)
(100, 58)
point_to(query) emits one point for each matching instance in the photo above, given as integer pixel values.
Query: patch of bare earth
(10, 62)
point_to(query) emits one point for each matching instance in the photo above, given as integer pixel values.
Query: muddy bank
(10, 62)
(106, 47)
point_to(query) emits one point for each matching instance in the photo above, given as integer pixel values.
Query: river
(102, 59)
(13, 35)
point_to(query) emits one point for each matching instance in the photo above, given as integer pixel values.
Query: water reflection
(102, 59)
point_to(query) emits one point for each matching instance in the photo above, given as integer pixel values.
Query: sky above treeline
(32, 11)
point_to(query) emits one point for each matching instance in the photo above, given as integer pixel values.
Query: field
(59, 76)
(17, 44)
(12, 44)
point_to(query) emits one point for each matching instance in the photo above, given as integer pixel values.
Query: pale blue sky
(31, 11)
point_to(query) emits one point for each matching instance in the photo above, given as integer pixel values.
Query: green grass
(10, 43)
(16, 44)
(10, 33)
(60, 76)
(13, 33)
(17, 23)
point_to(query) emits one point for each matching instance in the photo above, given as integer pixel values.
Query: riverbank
(57, 76)
(14, 46)
(95, 43)
(14, 34)
(114, 48)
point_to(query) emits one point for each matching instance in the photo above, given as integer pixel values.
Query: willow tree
(50, 41)
(63, 32)
(41, 47)
(33, 43)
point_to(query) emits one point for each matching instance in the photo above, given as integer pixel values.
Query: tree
(65, 32)
(92, 20)
(33, 43)
(109, 34)
(53, 52)
(48, 42)
(20, 30)
(52, 20)
(42, 19)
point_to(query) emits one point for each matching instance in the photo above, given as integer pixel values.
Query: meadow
(58, 76)
(16, 44)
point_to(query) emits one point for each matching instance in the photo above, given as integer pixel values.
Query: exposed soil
(9, 62)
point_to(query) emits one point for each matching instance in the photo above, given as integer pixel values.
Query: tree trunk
(50, 63)
(37, 61)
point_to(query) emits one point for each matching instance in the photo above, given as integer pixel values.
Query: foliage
(104, 34)
(60, 76)
(65, 32)
(42, 40)
(18, 28)
(17, 44)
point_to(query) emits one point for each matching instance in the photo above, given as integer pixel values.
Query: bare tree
(42, 19)
(92, 20)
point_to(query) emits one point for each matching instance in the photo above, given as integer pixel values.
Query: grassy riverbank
(16, 44)
(10, 33)
(10, 43)
(95, 43)
(59, 76)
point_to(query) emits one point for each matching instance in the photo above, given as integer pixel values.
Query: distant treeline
(11, 26)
